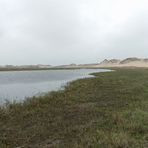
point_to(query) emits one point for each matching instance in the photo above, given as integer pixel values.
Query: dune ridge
(128, 62)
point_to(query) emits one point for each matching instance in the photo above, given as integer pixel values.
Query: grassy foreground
(107, 111)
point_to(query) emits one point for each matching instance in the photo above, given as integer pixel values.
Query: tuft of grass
(106, 111)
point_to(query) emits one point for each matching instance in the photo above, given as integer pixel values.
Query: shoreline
(109, 110)
(58, 85)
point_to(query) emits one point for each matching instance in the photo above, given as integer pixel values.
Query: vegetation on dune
(107, 111)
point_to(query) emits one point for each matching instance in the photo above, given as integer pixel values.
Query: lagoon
(18, 85)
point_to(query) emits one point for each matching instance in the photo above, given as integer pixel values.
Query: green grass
(107, 111)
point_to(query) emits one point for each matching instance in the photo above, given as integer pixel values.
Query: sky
(61, 32)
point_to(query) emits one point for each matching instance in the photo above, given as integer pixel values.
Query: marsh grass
(106, 111)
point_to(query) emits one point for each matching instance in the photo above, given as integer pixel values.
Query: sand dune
(128, 62)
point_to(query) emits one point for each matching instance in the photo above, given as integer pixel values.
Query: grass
(107, 111)
(5, 69)
(31, 69)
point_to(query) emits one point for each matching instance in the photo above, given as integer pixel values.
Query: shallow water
(17, 85)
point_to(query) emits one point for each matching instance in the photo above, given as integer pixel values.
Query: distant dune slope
(128, 62)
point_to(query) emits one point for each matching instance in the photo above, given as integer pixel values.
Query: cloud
(80, 31)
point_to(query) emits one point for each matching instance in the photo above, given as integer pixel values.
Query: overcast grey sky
(72, 31)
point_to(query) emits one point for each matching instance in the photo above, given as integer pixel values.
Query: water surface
(17, 85)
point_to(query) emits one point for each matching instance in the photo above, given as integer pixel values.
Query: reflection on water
(17, 85)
